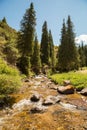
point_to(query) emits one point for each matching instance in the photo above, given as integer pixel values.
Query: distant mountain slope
(6, 32)
(8, 40)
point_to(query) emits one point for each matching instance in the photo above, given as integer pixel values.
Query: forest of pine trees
(33, 56)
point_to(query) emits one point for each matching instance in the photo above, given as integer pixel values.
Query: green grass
(78, 79)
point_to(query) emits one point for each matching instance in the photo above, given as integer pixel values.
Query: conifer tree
(51, 45)
(82, 56)
(85, 53)
(4, 20)
(73, 57)
(62, 50)
(26, 37)
(68, 58)
(27, 31)
(36, 63)
(45, 48)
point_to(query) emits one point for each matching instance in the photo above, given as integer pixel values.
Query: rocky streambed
(40, 105)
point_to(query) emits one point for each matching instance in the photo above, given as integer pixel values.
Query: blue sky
(53, 11)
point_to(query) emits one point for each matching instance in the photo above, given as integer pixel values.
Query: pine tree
(26, 38)
(4, 20)
(85, 53)
(62, 50)
(27, 32)
(45, 48)
(73, 57)
(68, 58)
(51, 44)
(82, 56)
(36, 63)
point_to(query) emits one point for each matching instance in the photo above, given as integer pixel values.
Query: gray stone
(50, 100)
(66, 90)
(38, 109)
(66, 82)
(84, 92)
(35, 98)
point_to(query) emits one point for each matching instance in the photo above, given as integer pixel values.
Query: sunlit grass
(78, 79)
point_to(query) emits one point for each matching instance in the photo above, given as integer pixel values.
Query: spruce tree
(85, 53)
(73, 57)
(51, 45)
(68, 58)
(45, 48)
(4, 20)
(82, 56)
(36, 63)
(62, 50)
(26, 37)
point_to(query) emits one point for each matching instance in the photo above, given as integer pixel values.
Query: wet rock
(6, 101)
(52, 86)
(50, 100)
(38, 109)
(68, 106)
(84, 92)
(21, 104)
(35, 98)
(79, 89)
(26, 80)
(66, 82)
(69, 89)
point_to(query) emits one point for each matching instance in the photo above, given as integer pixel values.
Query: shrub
(9, 84)
(10, 79)
(6, 69)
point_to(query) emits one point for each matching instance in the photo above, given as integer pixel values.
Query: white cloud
(80, 39)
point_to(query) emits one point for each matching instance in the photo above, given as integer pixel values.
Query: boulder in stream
(66, 82)
(84, 91)
(69, 89)
(35, 97)
(38, 109)
(50, 100)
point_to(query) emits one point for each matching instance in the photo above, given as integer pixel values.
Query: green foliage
(9, 84)
(85, 53)
(26, 37)
(79, 80)
(82, 56)
(36, 63)
(45, 47)
(10, 79)
(4, 20)
(52, 58)
(24, 65)
(8, 38)
(11, 53)
(8, 70)
(26, 40)
(6, 32)
(68, 58)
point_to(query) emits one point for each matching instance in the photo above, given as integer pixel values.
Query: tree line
(36, 57)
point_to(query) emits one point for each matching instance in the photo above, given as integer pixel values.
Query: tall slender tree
(68, 58)
(36, 63)
(73, 56)
(62, 50)
(26, 37)
(45, 48)
(51, 44)
(82, 55)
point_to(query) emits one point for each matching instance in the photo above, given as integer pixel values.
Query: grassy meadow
(78, 79)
